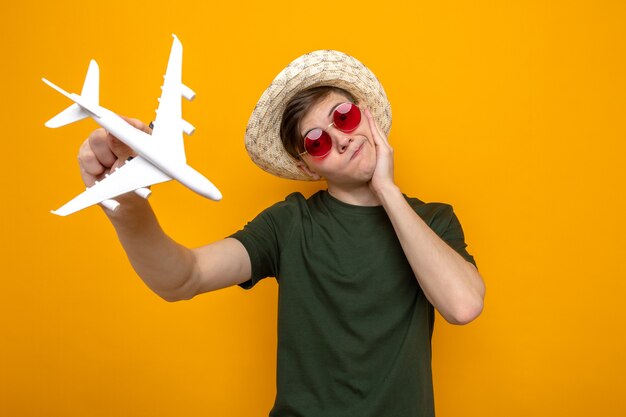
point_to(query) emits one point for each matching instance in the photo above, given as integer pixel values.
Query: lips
(358, 150)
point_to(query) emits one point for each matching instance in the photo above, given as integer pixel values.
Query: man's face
(352, 158)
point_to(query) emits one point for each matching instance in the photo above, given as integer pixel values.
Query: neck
(361, 195)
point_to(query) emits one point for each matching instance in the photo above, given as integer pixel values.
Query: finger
(374, 127)
(90, 168)
(98, 144)
(372, 124)
(119, 163)
(119, 148)
(107, 148)
(88, 161)
(137, 124)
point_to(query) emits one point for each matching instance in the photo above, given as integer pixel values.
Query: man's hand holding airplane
(101, 153)
(159, 154)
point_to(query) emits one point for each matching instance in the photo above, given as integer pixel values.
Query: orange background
(513, 112)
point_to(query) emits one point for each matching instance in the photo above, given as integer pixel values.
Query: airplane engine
(188, 128)
(187, 92)
(143, 192)
(110, 204)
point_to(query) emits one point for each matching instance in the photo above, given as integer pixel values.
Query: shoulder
(282, 214)
(294, 202)
(429, 210)
(273, 225)
(439, 216)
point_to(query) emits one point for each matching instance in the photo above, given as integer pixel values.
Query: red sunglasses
(346, 118)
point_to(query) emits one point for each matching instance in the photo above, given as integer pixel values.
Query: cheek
(371, 158)
(370, 166)
(366, 163)
(371, 151)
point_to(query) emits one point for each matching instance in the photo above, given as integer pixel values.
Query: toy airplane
(160, 156)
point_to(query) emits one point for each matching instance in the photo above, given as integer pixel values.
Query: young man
(360, 266)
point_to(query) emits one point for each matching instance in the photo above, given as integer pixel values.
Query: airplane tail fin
(84, 104)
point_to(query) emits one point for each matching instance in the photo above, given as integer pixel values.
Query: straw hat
(319, 68)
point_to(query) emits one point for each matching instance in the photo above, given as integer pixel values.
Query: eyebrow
(334, 108)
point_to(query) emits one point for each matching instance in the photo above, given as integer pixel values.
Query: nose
(343, 140)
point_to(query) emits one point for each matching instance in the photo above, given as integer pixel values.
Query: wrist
(388, 192)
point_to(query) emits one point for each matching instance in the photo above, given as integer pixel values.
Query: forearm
(450, 283)
(164, 265)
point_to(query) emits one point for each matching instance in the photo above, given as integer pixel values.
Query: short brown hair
(296, 109)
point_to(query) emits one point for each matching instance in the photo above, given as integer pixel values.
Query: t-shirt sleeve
(263, 237)
(446, 224)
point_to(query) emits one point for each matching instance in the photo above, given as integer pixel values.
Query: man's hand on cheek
(383, 174)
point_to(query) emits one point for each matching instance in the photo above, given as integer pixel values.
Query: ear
(305, 168)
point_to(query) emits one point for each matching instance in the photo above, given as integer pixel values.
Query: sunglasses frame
(325, 131)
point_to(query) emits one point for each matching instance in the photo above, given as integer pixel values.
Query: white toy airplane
(160, 156)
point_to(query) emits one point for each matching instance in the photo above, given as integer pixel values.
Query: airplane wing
(168, 125)
(134, 174)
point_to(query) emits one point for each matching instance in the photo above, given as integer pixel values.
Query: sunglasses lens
(347, 117)
(317, 143)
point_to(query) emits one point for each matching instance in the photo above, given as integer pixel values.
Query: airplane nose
(215, 194)
(197, 182)
(206, 188)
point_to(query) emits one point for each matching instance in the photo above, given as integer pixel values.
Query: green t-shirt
(354, 327)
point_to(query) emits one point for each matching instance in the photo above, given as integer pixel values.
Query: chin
(363, 177)
(367, 170)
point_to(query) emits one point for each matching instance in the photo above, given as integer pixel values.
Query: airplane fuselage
(139, 142)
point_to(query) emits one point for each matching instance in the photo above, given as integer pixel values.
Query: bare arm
(452, 285)
(171, 270)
